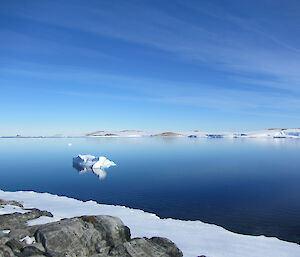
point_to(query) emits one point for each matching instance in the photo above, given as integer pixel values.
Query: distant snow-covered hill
(268, 133)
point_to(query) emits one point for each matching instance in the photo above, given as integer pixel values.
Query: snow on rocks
(28, 240)
(194, 238)
(84, 236)
(7, 209)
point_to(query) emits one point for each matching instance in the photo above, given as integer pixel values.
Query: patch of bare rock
(95, 236)
(168, 134)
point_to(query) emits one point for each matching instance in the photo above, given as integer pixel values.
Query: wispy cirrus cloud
(225, 43)
(143, 89)
(182, 57)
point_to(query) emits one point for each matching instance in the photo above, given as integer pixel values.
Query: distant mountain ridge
(267, 133)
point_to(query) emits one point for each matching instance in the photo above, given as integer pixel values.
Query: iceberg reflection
(90, 163)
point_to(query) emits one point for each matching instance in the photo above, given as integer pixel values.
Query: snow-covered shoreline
(194, 238)
(268, 133)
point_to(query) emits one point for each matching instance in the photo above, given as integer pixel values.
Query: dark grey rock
(19, 233)
(18, 220)
(83, 236)
(39, 246)
(15, 245)
(28, 251)
(154, 247)
(116, 232)
(99, 236)
(4, 239)
(93, 236)
(5, 251)
(15, 203)
(166, 246)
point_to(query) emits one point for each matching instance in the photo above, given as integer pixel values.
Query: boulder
(15, 203)
(153, 247)
(18, 220)
(82, 236)
(85, 236)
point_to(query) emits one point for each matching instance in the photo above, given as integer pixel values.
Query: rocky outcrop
(94, 133)
(95, 236)
(5, 202)
(167, 134)
(18, 220)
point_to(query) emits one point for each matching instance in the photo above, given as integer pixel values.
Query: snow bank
(7, 209)
(194, 238)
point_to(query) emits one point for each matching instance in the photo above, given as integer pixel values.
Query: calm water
(249, 186)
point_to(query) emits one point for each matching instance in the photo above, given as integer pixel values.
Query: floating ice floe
(90, 161)
(84, 163)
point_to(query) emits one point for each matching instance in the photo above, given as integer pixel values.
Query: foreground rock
(94, 236)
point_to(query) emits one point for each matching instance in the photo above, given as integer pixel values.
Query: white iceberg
(85, 163)
(92, 162)
(103, 163)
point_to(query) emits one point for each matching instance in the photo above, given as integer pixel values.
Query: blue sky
(77, 66)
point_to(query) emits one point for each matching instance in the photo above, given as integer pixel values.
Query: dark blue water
(249, 186)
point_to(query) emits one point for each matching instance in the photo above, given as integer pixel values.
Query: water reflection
(246, 185)
(99, 172)
(90, 163)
